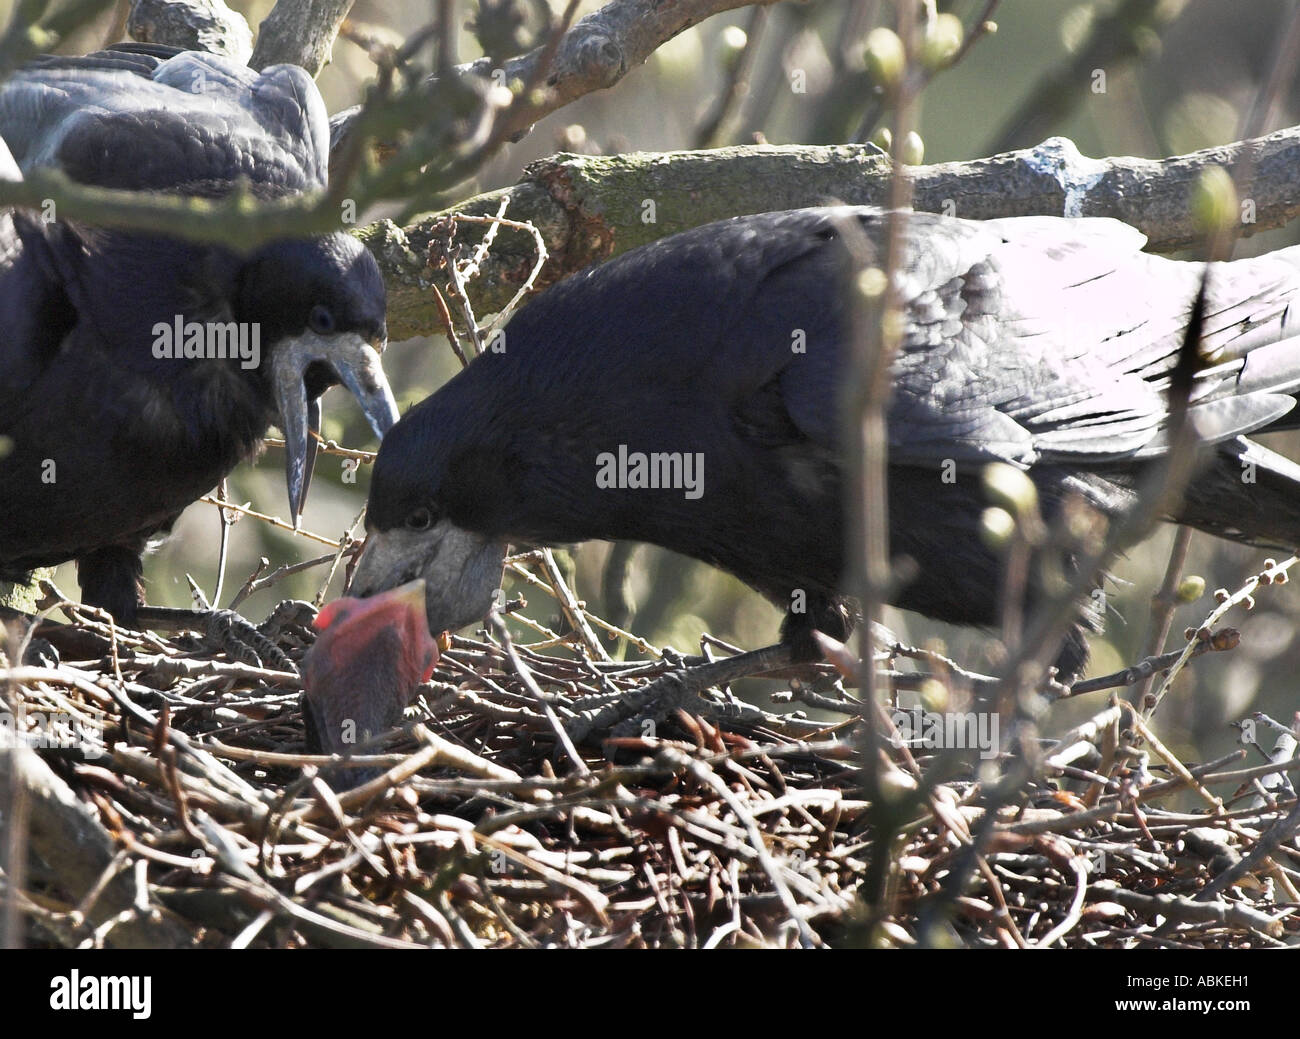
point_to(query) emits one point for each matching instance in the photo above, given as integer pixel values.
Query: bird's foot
(242, 641)
(235, 636)
(41, 653)
(651, 703)
(289, 615)
(682, 688)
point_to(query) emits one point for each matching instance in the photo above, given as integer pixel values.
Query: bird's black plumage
(110, 434)
(1038, 342)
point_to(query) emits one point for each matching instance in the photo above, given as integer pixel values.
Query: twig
(275, 521)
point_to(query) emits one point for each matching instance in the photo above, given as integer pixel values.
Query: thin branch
(595, 54)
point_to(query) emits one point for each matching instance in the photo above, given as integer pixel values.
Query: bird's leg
(110, 579)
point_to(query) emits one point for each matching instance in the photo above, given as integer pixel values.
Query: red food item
(368, 660)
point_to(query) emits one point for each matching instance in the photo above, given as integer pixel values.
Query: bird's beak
(356, 364)
(9, 170)
(461, 570)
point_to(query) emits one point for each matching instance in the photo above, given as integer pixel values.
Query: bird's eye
(321, 320)
(420, 519)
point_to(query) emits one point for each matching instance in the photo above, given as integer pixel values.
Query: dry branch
(595, 54)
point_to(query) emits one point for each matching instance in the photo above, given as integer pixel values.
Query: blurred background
(1179, 76)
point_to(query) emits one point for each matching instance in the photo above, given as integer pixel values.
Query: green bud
(1076, 27)
(883, 139)
(997, 528)
(1011, 488)
(895, 785)
(872, 282)
(1191, 588)
(1147, 42)
(731, 42)
(934, 695)
(1214, 200)
(885, 57)
(913, 149)
(943, 39)
(42, 39)
(889, 935)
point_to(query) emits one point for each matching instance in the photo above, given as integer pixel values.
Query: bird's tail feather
(1249, 494)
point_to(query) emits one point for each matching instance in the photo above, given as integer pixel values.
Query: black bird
(113, 425)
(1039, 342)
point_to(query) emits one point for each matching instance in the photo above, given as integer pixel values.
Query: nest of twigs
(538, 796)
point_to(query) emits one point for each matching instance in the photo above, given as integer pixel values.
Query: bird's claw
(288, 614)
(667, 693)
(242, 641)
(41, 653)
(238, 638)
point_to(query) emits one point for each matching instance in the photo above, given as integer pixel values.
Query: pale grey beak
(356, 364)
(461, 570)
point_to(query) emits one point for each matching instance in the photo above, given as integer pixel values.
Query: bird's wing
(34, 311)
(189, 122)
(1040, 339)
(140, 58)
(137, 117)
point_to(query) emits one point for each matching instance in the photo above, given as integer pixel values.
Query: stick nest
(690, 820)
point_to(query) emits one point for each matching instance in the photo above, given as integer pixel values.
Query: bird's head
(364, 669)
(320, 304)
(437, 511)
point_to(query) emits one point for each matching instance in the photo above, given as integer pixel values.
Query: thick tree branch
(589, 208)
(205, 25)
(299, 32)
(592, 207)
